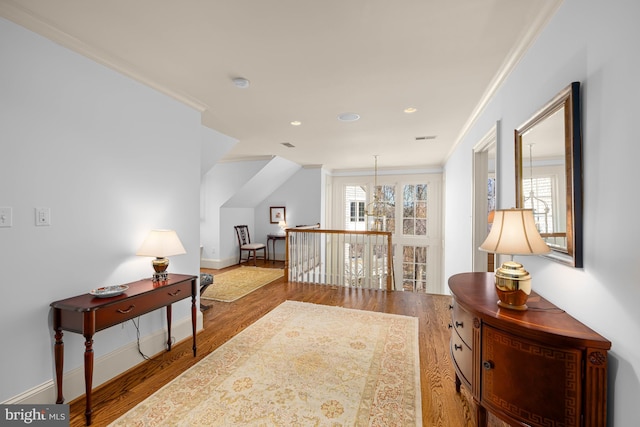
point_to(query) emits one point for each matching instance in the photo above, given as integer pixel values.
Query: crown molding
(21, 16)
(509, 64)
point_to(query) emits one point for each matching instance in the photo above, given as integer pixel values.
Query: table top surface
(476, 293)
(89, 302)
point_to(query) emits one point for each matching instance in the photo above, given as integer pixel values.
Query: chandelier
(540, 206)
(376, 210)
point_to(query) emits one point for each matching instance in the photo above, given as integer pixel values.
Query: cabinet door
(533, 383)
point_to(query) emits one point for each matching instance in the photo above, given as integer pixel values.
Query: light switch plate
(43, 216)
(6, 217)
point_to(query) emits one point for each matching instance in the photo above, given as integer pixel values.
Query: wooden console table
(86, 315)
(539, 367)
(273, 238)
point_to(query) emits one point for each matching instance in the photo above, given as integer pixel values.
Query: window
(356, 212)
(384, 207)
(355, 202)
(414, 210)
(414, 268)
(409, 208)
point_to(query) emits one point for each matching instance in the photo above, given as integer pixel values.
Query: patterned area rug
(301, 364)
(239, 282)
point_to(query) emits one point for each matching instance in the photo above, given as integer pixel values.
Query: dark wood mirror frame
(569, 100)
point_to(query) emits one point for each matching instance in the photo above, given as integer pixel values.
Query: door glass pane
(414, 268)
(384, 207)
(414, 210)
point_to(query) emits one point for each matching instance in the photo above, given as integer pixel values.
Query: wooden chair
(244, 241)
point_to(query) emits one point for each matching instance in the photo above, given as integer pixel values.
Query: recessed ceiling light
(348, 117)
(241, 82)
(296, 123)
(410, 110)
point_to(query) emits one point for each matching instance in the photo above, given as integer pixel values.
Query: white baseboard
(108, 366)
(217, 264)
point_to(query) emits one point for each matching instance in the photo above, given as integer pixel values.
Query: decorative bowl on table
(109, 291)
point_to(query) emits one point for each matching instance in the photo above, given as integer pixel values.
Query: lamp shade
(161, 243)
(514, 232)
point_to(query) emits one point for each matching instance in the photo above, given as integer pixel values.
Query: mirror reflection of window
(542, 169)
(539, 198)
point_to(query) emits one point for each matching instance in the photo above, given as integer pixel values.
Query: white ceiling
(309, 60)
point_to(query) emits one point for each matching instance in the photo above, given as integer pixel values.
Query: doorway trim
(481, 169)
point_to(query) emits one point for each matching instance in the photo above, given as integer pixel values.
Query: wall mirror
(548, 151)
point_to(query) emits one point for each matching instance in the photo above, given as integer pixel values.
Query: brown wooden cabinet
(539, 367)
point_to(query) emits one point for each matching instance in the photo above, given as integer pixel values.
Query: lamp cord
(553, 310)
(144, 356)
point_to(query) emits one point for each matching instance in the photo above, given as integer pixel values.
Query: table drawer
(463, 324)
(119, 312)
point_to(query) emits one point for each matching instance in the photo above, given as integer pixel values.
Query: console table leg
(193, 318)
(59, 357)
(88, 376)
(169, 327)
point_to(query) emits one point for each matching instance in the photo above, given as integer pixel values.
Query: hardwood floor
(441, 405)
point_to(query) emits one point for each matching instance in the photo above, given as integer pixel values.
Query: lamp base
(160, 265)
(160, 277)
(522, 307)
(513, 286)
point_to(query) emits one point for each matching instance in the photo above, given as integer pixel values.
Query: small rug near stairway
(236, 283)
(301, 364)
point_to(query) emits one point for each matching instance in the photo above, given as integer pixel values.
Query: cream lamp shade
(161, 244)
(514, 232)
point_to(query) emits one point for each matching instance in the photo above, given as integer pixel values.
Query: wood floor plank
(441, 405)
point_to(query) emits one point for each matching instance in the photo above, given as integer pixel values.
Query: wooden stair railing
(350, 258)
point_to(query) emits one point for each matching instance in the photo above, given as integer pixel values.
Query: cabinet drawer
(119, 312)
(463, 324)
(462, 356)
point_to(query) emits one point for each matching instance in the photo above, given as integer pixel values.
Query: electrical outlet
(6, 217)
(43, 216)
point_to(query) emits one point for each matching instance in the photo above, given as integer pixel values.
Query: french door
(409, 206)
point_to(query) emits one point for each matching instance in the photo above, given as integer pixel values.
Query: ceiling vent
(288, 144)
(425, 138)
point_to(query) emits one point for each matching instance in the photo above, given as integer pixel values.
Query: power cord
(137, 326)
(144, 356)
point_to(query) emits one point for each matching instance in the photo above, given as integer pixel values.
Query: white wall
(241, 192)
(594, 42)
(218, 186)
(301, 195)
(112, 159)
(212, 191)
